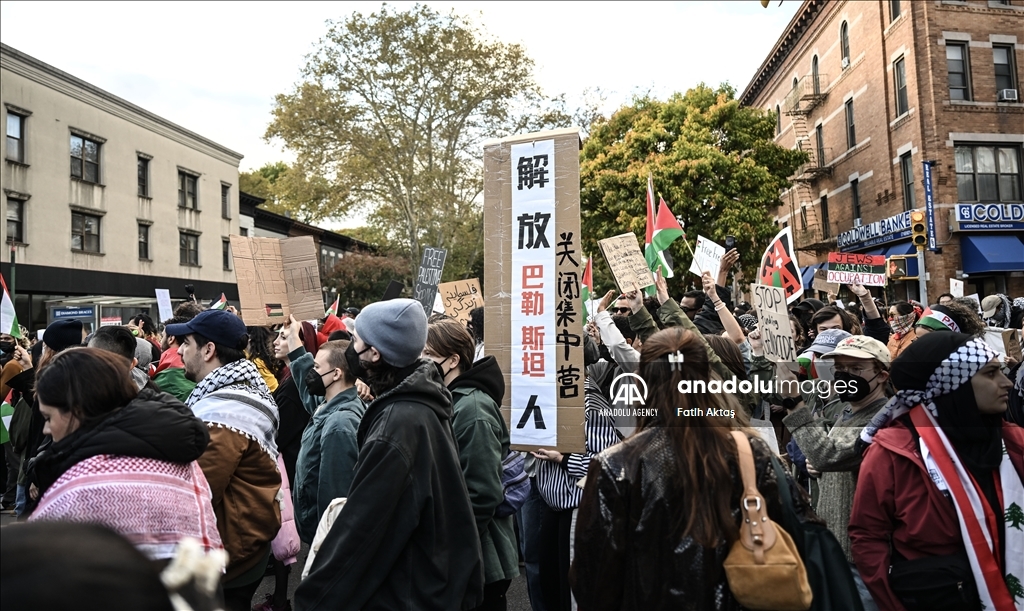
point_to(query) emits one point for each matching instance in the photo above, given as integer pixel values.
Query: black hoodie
(407, 538)
(484, 375)
(154, 425)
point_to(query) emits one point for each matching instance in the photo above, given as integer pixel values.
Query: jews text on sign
(428, 277)
(851, 268)
(277, 279)
(773, 323)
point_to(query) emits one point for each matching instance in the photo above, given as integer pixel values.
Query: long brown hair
(88, 382)
(702, 447)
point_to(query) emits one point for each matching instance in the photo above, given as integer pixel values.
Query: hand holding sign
(707, 257)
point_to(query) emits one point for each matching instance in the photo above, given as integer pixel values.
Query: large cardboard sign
(707, 257)
(779, 266)
(460, 297)
(277, 279)
(773, 322)
(626, 260)
(533, 293)
(429, 276)
(821, 283)
(852, 268)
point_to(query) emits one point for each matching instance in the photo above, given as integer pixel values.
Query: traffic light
(918, 229)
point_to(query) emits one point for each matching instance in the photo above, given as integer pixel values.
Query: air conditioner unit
(1007, 95)
(846, 63)
(857, 222)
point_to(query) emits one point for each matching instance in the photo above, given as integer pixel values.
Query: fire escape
(806, 219)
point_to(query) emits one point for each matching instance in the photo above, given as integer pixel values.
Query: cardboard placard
(852, 268)
(163, 302)
(627, 263)
(1012, 344)
(277, 278)
(821, 282)
(507, 308)
(460, 297)
(956, 287)
(429, 276)
(707, 257)
(773, 322)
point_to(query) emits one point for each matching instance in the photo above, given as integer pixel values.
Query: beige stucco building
(103, 198)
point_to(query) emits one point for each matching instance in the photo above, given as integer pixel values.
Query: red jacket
(897, 500)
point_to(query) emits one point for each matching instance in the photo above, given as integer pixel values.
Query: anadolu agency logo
(629, 396)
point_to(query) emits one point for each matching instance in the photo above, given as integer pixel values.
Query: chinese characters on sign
(534, 289)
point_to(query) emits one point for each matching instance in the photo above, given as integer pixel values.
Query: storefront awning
(807, 274)
(982, 254)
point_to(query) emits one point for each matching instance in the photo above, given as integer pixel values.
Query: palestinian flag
(221, 303)
(938, 321)
(587, 288)
(334, 307)
(8, 318)
(7, 414)
(779, 266)
(274, 309)
(666, 230)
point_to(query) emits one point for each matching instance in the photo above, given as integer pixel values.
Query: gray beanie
(396, 328)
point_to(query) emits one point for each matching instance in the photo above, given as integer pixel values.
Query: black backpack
(827, 569)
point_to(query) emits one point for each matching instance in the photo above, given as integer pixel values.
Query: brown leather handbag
(763, 567)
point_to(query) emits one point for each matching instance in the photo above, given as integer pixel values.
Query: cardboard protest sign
(1011, 344)
(277, 279)
(821, 282)
(956, 287)
(852, 268)
(459, 297)
(779, 266)
(163, 302)
(707, 257)
(429, 276)
(629, 268)
(533, 266)
(773, 322)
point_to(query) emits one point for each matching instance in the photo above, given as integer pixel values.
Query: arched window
(814, 75)
(844, 43)
(795, 82)
(778, 120)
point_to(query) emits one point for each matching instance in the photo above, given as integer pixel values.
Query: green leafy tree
(304, 195)
(714, 161)
(391, 111)
(360, 279)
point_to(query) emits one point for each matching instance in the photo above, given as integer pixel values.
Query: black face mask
(315, 383)
(856, 387)
(355, 364)
(7, 347)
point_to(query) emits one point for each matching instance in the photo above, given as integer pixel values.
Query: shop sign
(989, 217)
(891, 229)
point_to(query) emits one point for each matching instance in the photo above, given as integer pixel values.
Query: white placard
(534, 383)
(956, 287)
(707, 257)
(773, 323)
(163, 303)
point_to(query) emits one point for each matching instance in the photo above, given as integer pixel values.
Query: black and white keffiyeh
(952, 372)
(236, 397)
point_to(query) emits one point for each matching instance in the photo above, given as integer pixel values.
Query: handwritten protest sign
(277, 279)
(821, 282)
(773, 319)
(852, 268)
(956, 287)
(707, 257)
(429, 277)
(624, 258)
(163, 302)
(459, 297)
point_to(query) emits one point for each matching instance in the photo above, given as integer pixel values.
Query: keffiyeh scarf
(235, 396)
(1002, 319)
(901, 325)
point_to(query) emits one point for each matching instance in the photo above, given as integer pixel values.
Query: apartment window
(826, 230)
(900, 75)
(855, 197)
(851, 130)
(956, 66)
(907, 174)
(85, 159)
(226, 254)
(243, 231)
(778, 120)
(814, 75)
(988, 174)
(85, 232)
(844, 43)
(819, 138)
(1006, 76)
(15, 137)
(225, 201)
(15, 220)
(894, 10)
(143, 177)
(188, 247)
(144, 242)
(187, 196)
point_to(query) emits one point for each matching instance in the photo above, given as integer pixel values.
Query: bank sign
(887, 230)
(990, 217)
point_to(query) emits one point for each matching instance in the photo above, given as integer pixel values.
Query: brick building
(872, 91)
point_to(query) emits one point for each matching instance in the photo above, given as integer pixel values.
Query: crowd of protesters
(175, 465)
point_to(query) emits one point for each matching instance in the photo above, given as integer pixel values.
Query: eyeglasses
(686, 309)
(855, 370)
(622, 310)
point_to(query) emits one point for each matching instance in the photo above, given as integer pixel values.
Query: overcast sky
(215, 67)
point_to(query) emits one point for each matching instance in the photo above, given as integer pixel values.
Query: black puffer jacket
(407, 538)
(154, 425)
(626, 557)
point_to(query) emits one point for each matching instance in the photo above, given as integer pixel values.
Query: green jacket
(326, 461)
(173, 381)
(483, 441)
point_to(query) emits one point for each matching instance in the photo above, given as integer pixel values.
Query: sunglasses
(622, 310)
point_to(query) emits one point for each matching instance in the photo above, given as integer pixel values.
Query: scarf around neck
(234, 396)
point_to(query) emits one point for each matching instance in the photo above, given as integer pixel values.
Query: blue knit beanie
(396, 328)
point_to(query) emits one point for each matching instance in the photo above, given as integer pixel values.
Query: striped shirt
(557, 484)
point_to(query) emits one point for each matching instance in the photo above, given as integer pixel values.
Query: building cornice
(40, 72)
(783, 47)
